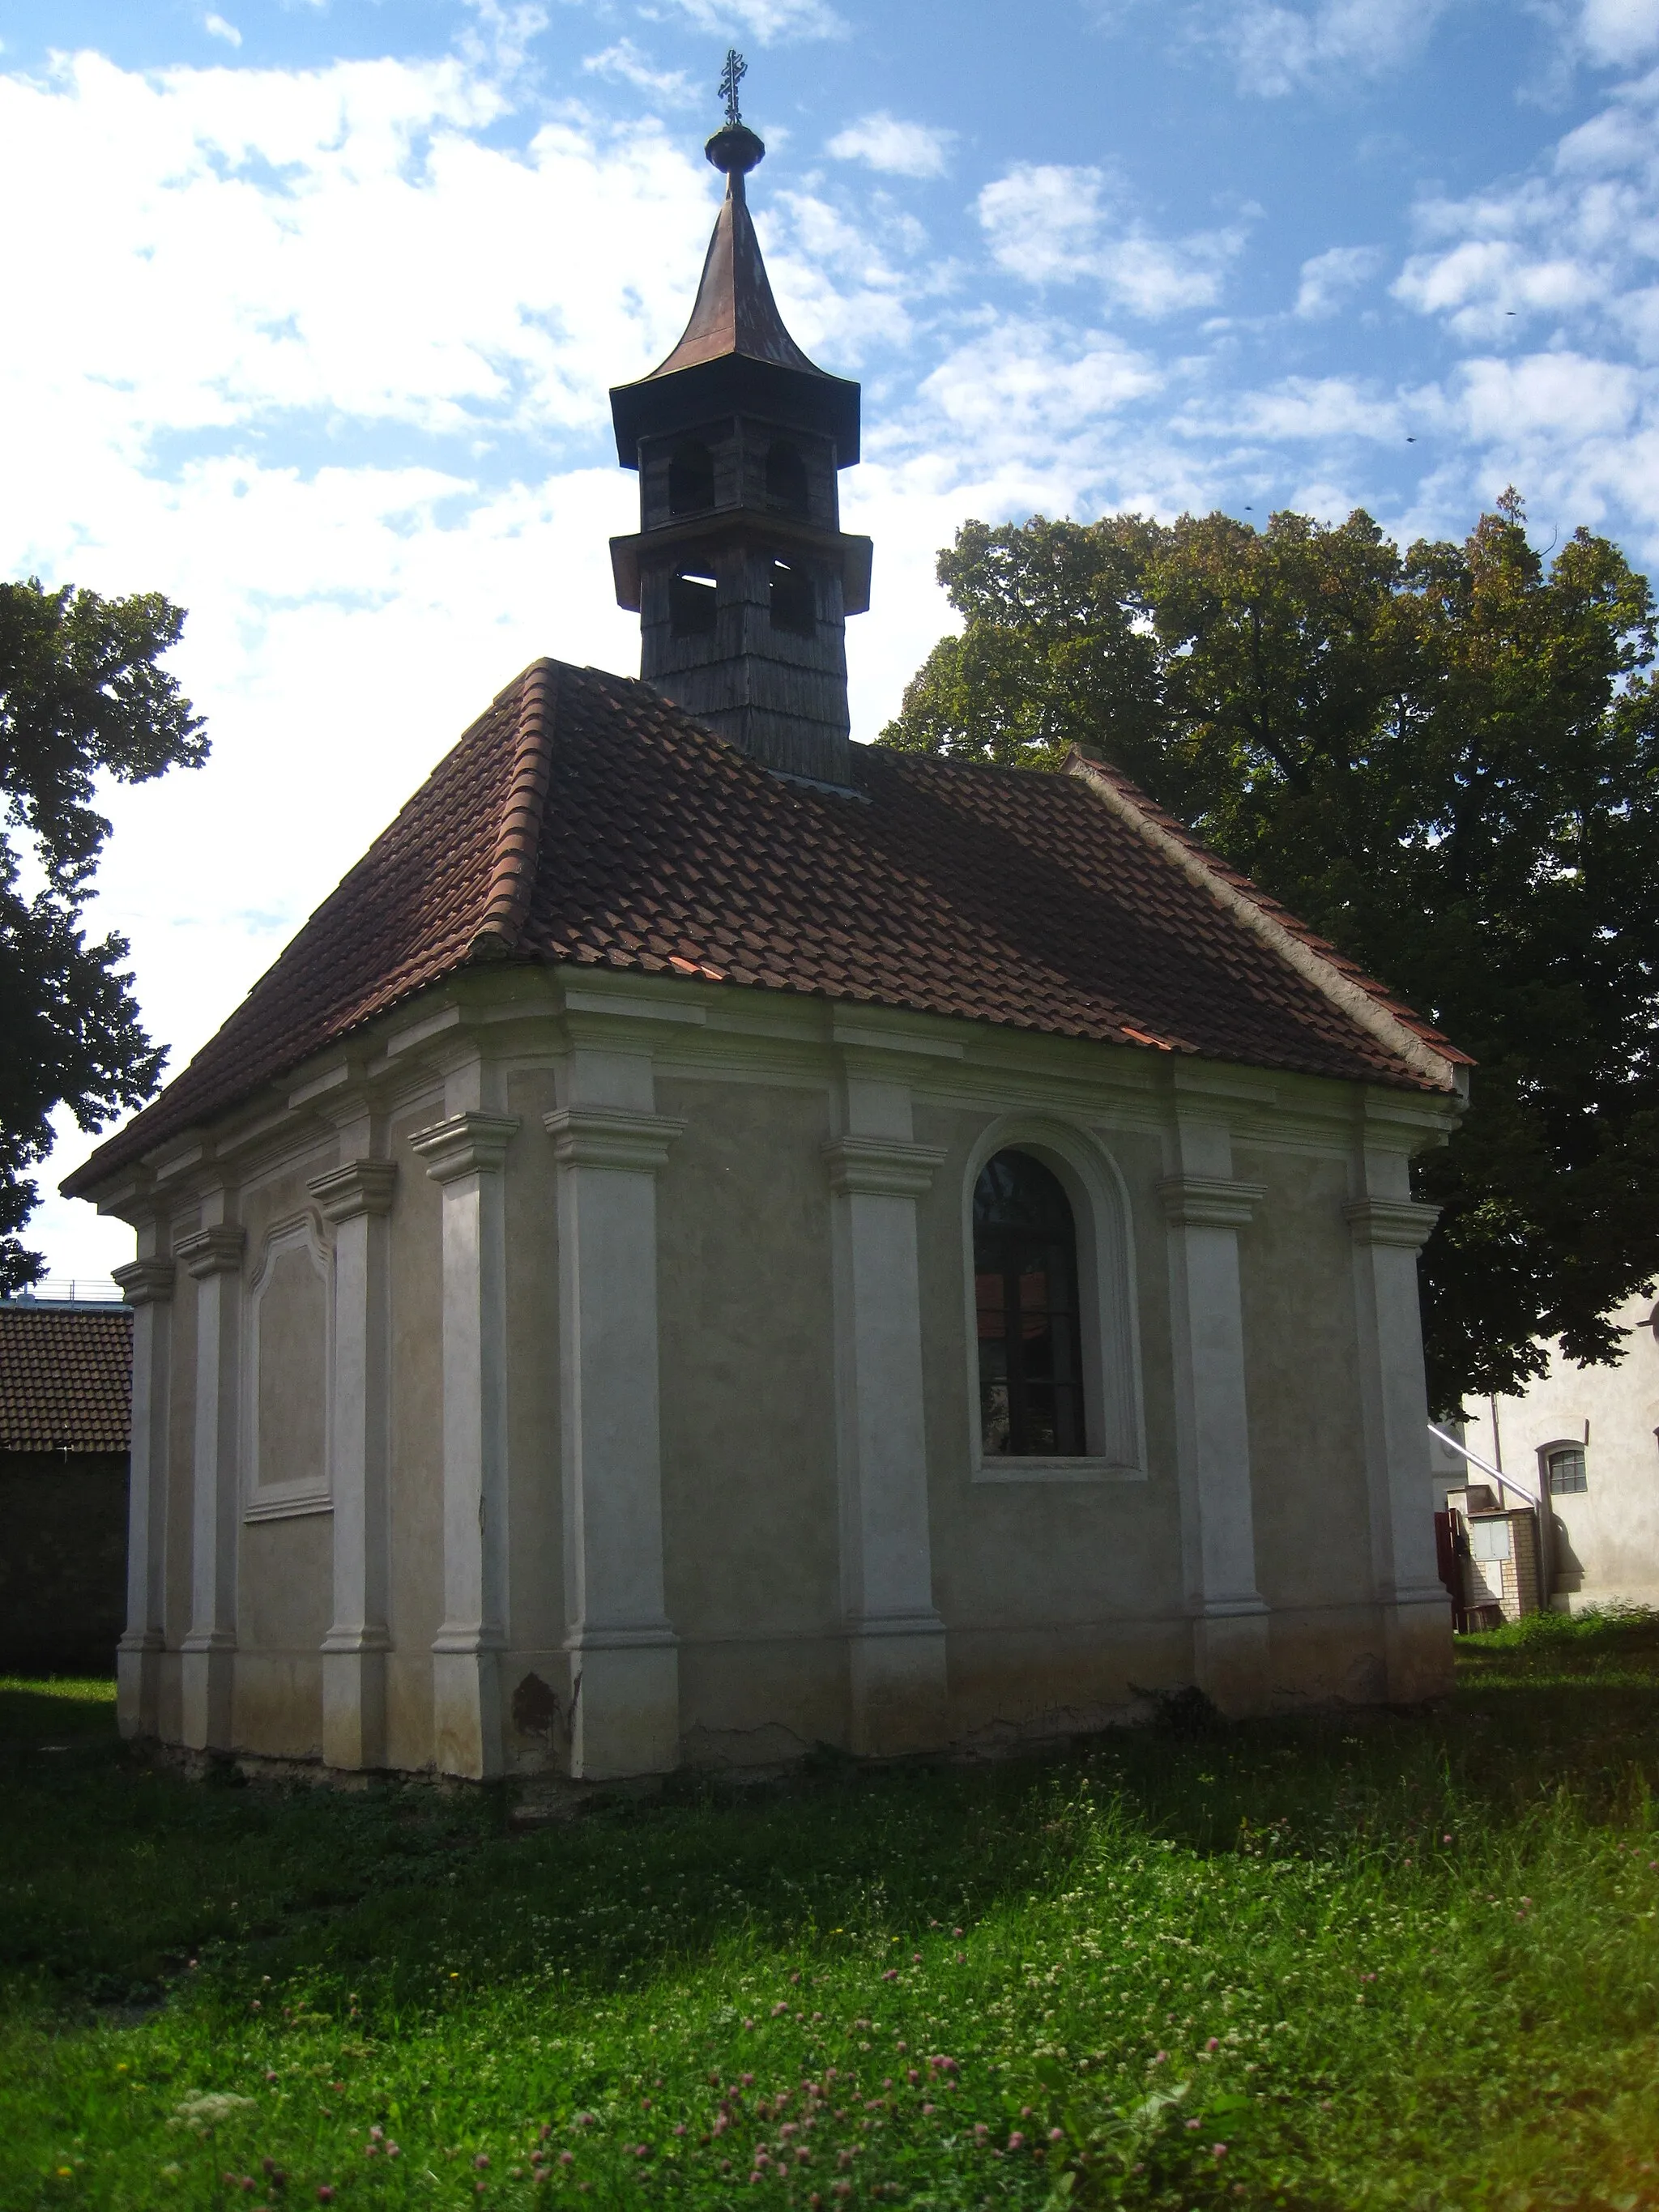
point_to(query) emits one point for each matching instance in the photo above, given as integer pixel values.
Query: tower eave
(852, 554)
(734, 383)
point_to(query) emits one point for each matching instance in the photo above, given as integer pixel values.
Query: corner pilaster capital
(611, 1137)
(355, 1187)
(881, 1167)
(213, 1251)
(1192, 1202)
(1407, 1222)
(466, 1144)
(146, 1282)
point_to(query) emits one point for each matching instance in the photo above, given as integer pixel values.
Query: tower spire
(740, 571)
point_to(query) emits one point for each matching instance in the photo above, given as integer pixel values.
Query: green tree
(82, 696)
(1445, 761)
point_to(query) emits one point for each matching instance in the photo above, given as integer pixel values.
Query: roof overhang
(735, 384)
(776, 534)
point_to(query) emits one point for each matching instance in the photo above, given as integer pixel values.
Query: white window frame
(1114, 1421)
(282, 1501)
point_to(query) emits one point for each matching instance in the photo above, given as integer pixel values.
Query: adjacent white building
(1584, 1442)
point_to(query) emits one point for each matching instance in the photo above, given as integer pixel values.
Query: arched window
(690, 478)
(1025, 1286)
(786, 477)
(794, 603)
(1566, 1470)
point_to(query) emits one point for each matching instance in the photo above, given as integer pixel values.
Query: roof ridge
(1364, 1001)
(518, 833)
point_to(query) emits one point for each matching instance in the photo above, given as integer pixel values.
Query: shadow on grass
(122, 1878)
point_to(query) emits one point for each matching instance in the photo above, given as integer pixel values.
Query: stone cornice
(1405, 1222)
(355, 1187)
(146, 1282)
(466, 1144)
(611, 1137)
(1210, 1201)
(881, 1167)
(213, 1251)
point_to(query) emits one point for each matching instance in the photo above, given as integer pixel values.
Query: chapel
(716, 1239)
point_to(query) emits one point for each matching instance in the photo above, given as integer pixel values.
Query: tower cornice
(772, 533)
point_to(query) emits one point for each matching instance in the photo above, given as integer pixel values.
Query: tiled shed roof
(65, 1378)
(584, 819)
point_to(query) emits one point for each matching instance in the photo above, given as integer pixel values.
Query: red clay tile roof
(65, 1379)
(584, 819)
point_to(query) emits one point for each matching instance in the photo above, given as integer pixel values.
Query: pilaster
(465, 1153)
(146, 1284)
(1388, 1228)
(610, 1146)
(895, 1638)
(356, 1199)
(213, 1256)
(1206, 1207)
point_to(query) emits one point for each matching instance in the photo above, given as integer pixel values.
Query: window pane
(1025, 1291)
(993, 1414)
(1567, 1471)
(1040, 1432)
(1038, 1348)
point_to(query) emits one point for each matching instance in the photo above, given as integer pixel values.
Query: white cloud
(1050, 224)
(896, 148)
(1325, 409)
(624, 64)
(1509, 402)
(251, 244)
(1019, 386)
(764, 20)
(1573, 246)
(499, 37)
(838, 291)
(1618, 32)
(1277, 49)
(1327, 279)
(217, 27)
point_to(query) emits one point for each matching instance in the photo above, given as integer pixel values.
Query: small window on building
(1566, 1469)
(1030, 1350)
(691, 478)
(786, 478)
(794, 603)
(692, 604)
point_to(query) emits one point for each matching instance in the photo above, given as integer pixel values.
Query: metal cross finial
(731, 77)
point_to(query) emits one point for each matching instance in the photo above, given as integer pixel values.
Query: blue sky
(312, 319)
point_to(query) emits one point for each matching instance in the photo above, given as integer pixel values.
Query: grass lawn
(1344, 1962)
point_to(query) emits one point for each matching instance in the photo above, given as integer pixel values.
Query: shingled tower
(740, 572)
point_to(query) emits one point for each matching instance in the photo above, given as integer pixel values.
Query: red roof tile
(65, 1378)
(584, 819)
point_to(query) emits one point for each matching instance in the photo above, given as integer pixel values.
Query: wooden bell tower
(740, 573)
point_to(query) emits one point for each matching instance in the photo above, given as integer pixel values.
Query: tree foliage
(82, 696)
(1446, 762)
